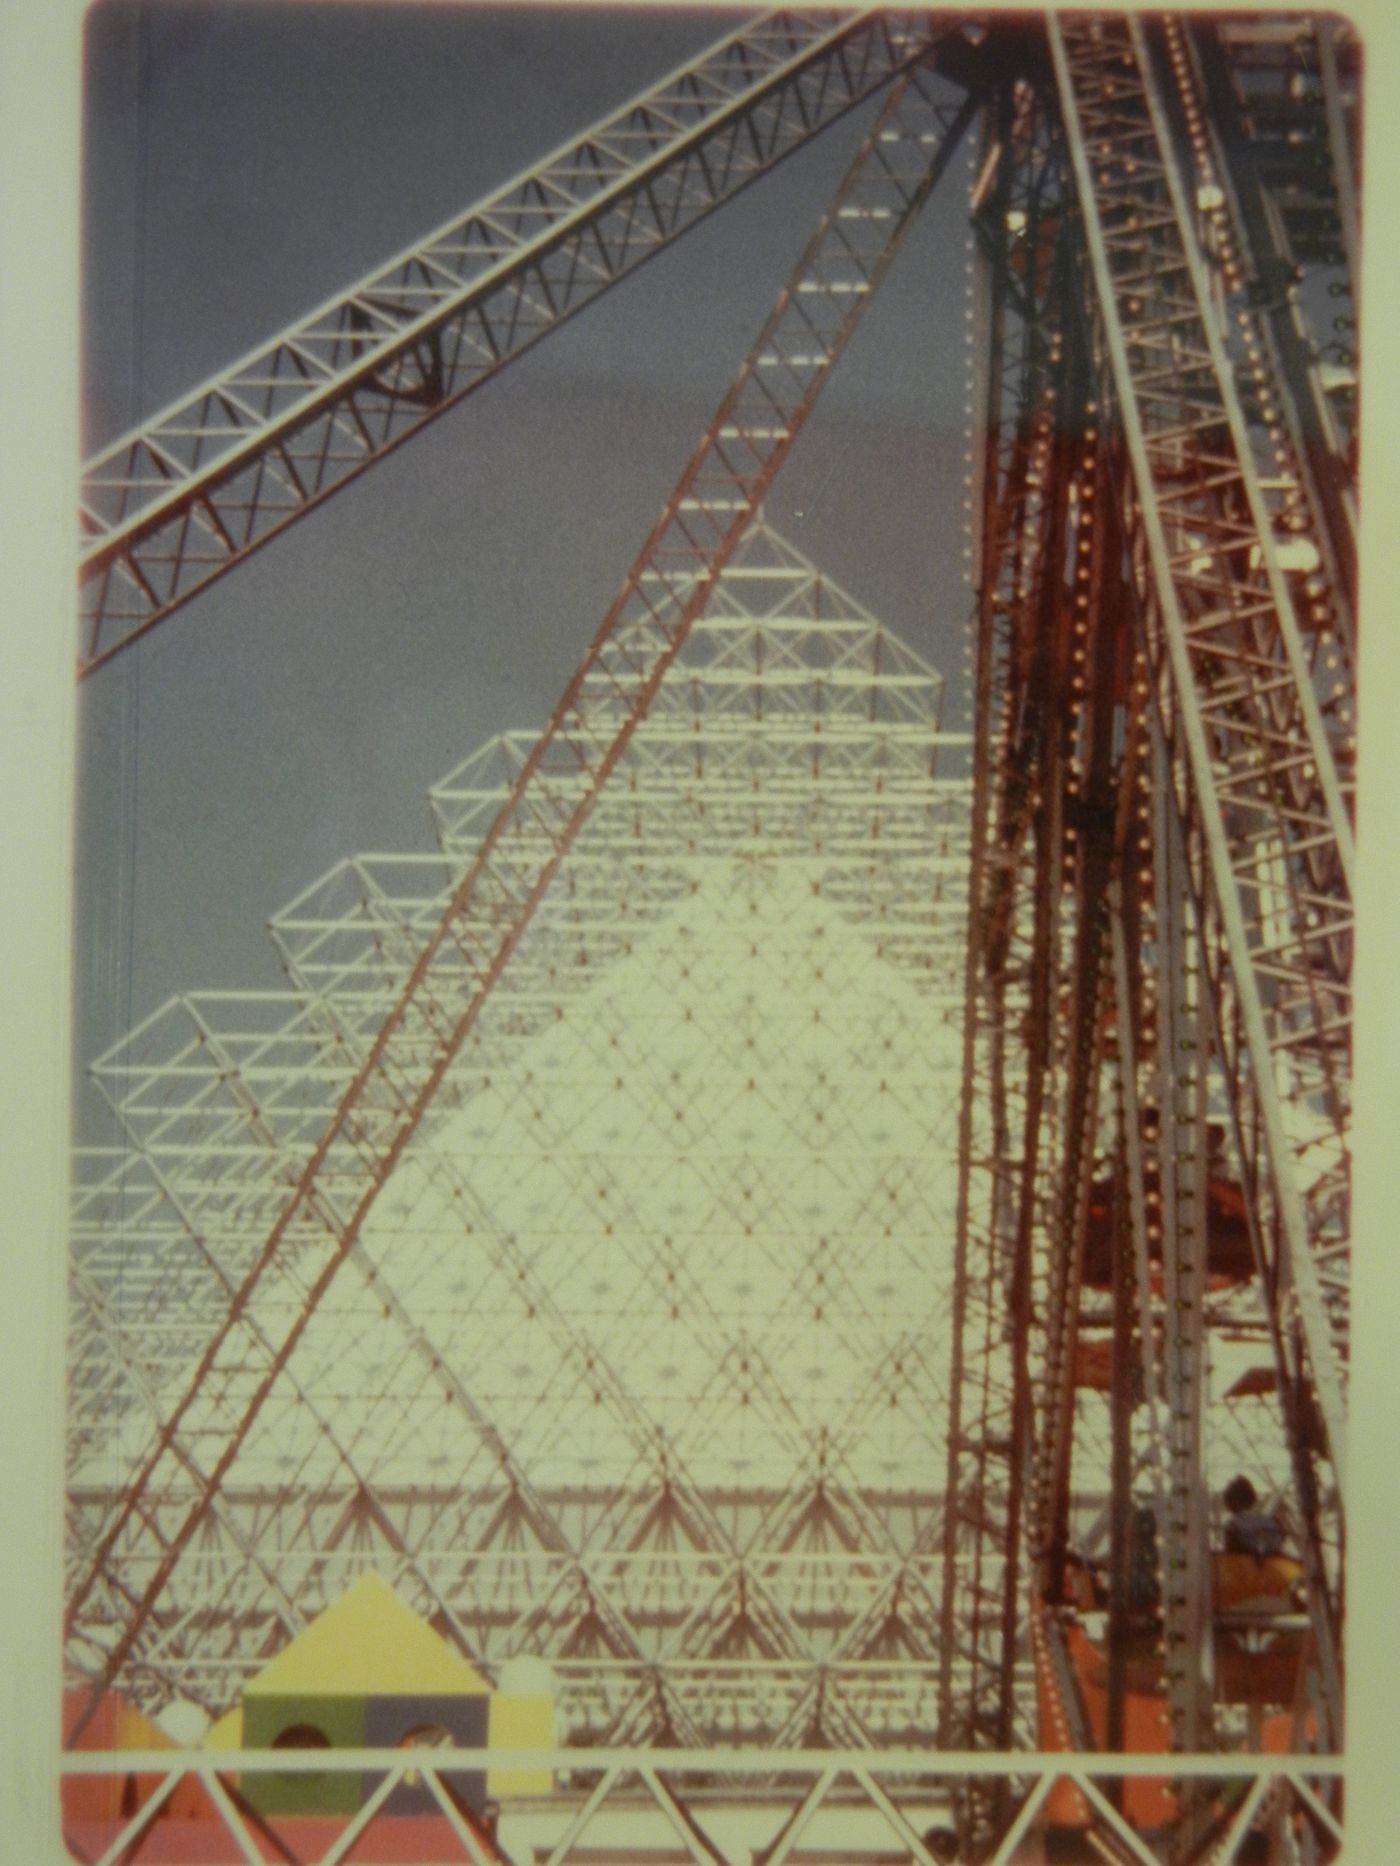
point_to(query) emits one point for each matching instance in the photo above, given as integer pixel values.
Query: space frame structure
(1117, 961)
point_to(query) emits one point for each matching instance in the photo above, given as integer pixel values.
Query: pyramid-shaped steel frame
(643, 1365)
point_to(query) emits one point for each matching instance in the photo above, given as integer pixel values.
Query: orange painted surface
(1267, 1677)
(1148, 1801)
(117, 1725)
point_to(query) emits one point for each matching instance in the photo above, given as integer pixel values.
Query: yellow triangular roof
(367, 1642)
(227, 1733)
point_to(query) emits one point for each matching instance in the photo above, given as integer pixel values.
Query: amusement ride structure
(792, 1237)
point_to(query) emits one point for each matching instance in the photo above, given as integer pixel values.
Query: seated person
(1253, 1576)
(1248, 1529)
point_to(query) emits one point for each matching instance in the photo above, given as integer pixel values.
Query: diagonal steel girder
(1263, 184)
(180, 500)
(1245, 730)
(899, 164)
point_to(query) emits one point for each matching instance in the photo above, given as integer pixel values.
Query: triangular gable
(368, 1643)
(227, 1732)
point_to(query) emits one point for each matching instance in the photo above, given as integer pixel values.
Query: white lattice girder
(681, 1210)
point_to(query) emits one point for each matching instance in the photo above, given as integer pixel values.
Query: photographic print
(715, 876)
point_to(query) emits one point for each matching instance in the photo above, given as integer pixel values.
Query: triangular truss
(642, 1360)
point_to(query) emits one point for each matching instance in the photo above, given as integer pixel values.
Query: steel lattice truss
(712, 1465)
(996, 1131)
(1161, 855)
(171, 507)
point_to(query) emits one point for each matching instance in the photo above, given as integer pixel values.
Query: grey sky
(242, 162)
